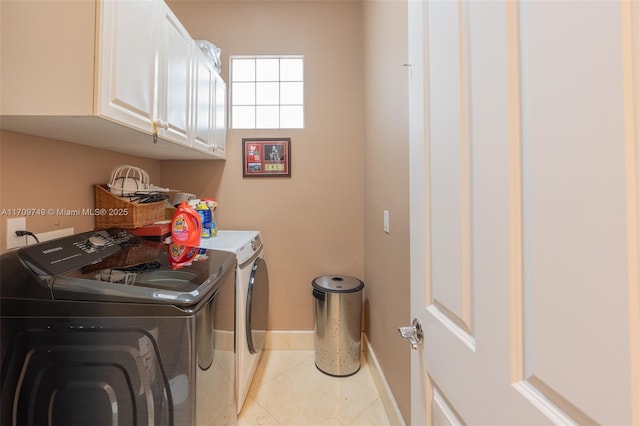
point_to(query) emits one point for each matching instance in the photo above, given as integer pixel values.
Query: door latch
(413, 333)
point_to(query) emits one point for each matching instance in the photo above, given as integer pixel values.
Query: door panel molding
(528, 389)
(574, 413)
(465, 165)
(440, 410)
(452, 323)
(526, 359)
(540, 395)
(450, 285)
(541, 400)
(630, 23)
(516, 277)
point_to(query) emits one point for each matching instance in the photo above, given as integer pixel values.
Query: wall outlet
(385, 225)
(13, 225)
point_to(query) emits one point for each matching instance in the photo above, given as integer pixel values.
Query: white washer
(252, 301)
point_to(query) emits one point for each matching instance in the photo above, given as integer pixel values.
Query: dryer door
(257, 306)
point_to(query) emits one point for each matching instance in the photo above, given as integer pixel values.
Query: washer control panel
(256, 243)
(75, 251)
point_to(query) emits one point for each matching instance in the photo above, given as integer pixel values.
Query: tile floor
(288, 389)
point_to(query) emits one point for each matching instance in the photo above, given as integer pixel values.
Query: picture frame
(266, 157)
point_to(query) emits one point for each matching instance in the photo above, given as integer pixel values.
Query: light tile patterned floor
(288, 389)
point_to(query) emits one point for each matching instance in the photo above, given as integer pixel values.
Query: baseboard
(302, 340)
(386, 396)
(297, 340)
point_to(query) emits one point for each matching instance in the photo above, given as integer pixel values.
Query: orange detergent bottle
(186, 226)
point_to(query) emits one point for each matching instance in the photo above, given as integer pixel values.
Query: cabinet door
(220, 131)
(204, 77)
(174, 99)
(126, 68)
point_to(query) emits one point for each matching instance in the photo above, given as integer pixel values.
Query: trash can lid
(337, 284)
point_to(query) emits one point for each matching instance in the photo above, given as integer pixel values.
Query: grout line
(369, 408)
(283, 339)
(250, 416)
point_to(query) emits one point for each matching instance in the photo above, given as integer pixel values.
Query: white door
(525, 180)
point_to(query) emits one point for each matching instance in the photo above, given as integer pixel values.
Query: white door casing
(524, 173)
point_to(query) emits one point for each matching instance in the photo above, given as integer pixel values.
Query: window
(267, 92)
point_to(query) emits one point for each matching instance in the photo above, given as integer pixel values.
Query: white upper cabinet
(220, 130)
(174, 78)
(118, 75)
(204, 102)
(127, 69)
(209, 107)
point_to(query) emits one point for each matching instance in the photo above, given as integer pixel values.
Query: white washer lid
(243, 243)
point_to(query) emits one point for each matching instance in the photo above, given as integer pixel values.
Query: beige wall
(386, 187)
(312, 222)
(45, 173)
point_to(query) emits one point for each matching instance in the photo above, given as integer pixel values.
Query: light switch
(386, 221)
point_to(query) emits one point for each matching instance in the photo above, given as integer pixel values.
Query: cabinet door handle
(155, 131)
(158, 124)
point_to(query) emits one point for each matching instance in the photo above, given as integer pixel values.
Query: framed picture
(266, 157)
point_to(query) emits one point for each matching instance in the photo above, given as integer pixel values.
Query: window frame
(255, 105)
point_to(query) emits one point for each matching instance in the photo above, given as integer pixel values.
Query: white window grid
(263, 98)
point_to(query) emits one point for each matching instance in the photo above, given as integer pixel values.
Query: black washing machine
(104, 328)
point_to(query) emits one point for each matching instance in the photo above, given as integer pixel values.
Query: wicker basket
(114, 212)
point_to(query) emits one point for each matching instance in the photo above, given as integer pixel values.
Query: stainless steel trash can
(338, 324)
